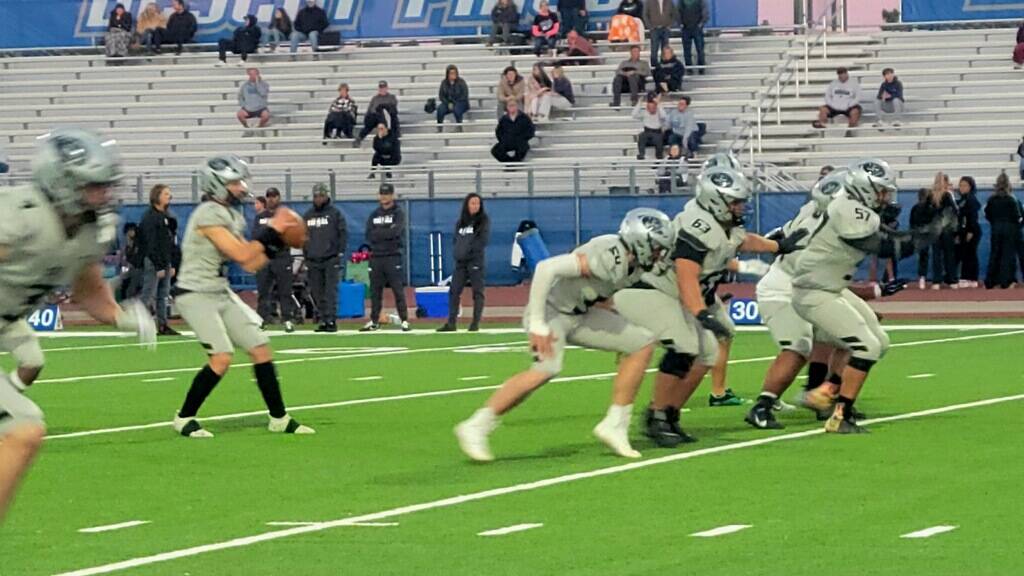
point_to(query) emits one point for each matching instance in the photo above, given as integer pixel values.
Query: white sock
(16, 380)
(484, 417)
(620, 414)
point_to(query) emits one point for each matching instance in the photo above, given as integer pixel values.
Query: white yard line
(503, 491)
(929, 532)
(365, 524)
(112, 527)
(167, 379)
(411, 396)
(919, 376)
(366, 378)
(509, 530)
(722, 530)
(471, 378)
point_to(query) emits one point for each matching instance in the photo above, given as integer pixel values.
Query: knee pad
(862, 364)
(675, 364)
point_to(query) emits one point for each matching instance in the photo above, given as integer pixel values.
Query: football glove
(753, 268)
(709, 322)
(134, 317)
(791, 243)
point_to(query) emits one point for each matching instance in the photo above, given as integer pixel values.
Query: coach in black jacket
(385, 232)
(472, 232)
(278, 272)
(325, 255)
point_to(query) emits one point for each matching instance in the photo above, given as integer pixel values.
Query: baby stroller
(304, 304)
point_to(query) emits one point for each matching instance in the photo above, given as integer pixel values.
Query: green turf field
(383, 489)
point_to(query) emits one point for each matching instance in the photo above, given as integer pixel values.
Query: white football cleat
(288, 425)
(781, 405)
(614, 431)
(472, 435)
(190, 427)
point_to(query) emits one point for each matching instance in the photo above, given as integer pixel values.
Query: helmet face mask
(649, 236)
(724, 193)
(76, 169)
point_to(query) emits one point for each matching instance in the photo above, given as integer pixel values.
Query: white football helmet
(718, 189)
(825, 189)
(723, 160)
(867, 179)
(218, 171)
(69, 159)
(649, 235)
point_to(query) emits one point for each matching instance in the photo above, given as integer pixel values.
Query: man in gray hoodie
(842, 98)
(253, 98)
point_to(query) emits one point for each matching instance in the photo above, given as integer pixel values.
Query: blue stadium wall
(26, 24)
(945, 10)
(556, 218)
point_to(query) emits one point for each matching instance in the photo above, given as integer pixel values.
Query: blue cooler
(533, 247)
(433, 300)
(351, 299)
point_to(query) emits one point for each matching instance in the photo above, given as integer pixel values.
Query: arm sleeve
(342, 234)
(483, 237)
(890, 244)
(263, 88)
(371, 231)
(549, 270)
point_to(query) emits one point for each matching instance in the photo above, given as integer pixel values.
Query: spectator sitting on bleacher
(511, 88)
(514, 132)
(504, 20)
(842, 98)
(669, 72)
(632, 73)
(653, 120)
(573, 15)
(310, 23)
(889, 100)
(452, 96)
(152, 22)
(1020, 158)
(387, 150)
(181, 27)
(1018, 50)
(563, 98)
(545, 29)
(673, 167)
(383, 109)
(341, 118)
(683, 129)
(119, 32)
(280, 29)
(244, 41)
(538, 93)
(252, 98)
(633, 8)
(578, 46)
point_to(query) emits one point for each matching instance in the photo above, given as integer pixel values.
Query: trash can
(533, 247)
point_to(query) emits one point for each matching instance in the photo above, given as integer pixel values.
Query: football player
(53, 233)
(563, 310)
(215, 235)
(851, 231)
(683, 310)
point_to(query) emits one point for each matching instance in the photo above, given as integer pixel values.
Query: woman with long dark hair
(472, 232)
(968, 232)
(119, 32)
(1003, 213)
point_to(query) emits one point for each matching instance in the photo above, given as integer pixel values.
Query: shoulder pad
(852, 220)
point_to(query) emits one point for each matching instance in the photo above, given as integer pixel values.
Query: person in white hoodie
(842, 98)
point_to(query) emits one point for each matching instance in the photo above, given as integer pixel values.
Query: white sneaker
(190, 427)
(614, 431)
(472, 435)
(220, 64)
(288, 326)
(405, 326)
(936, 286)
(781, 405)
(288, 425)
(921, 283)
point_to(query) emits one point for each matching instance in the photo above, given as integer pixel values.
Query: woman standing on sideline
(1003, 213)
(472, 232)
(968, 232)
(156, 248)
(944, 250)
(921, 215)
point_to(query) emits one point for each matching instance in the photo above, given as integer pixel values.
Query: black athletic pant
(1002, 259)
(323, 286)
(387, 270)
(474, 272)
(224, 45)
(274, 281)
(922, 262)
(944, 260)
(501, 151)
(338, 123)
(968, 256)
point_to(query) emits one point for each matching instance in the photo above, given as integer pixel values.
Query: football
(294, 227)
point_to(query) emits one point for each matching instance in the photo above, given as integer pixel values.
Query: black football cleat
(762, 418)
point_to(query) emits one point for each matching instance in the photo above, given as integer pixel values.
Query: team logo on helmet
(721, 179)
(874, 169)
(71, 150)
(831, 187)
(652, 223)
(217, 163)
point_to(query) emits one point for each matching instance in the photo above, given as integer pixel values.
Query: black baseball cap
(386, 189)
(273, 192)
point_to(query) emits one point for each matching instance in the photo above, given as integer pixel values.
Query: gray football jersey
(201, 261)
(610, 271)
(808, 218)
(36, 255)
(828, 263)
(699, 235)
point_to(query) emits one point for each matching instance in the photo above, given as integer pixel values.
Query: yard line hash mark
(919, 376)
(509, 530)
(367, 378)
(449, 502)
(471, 378)
(721, 530)
(929, 532)
(112, 527)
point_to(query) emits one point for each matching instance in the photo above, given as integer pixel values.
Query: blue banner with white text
(945, 10)
(26, 24)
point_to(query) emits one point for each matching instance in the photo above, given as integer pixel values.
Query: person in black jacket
(245, 40)
(669, 72)
(156, 247)
(325, 255)
(514, 132)
(921, 215)
(504, 20)
(452, 96)
(472, 232)
(944, 250)
(968, 232)
(573, 15)
(387, 151)
(385, 231)
(181, 27)
(278, 272)
(1004, 214)
(634, 8)
(310, 23)
(119, 32)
